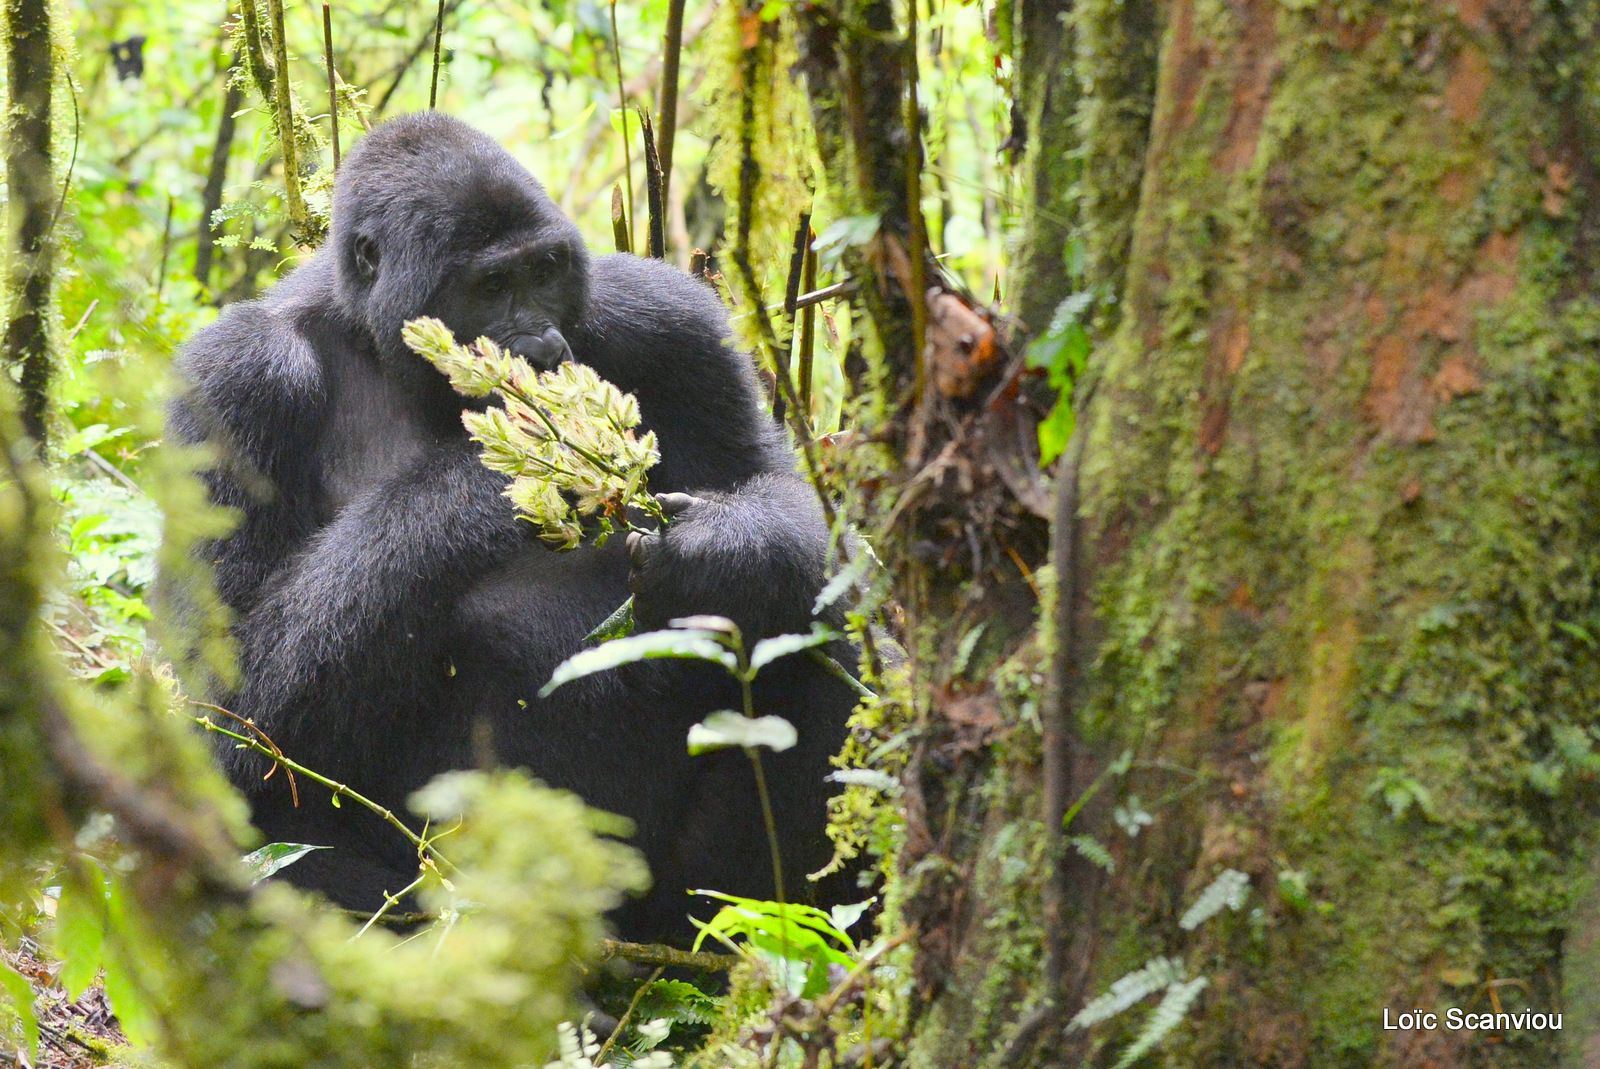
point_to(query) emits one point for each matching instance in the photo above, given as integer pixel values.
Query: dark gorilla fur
(395, 620)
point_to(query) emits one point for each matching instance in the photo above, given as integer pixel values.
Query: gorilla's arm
(317, 592)
(356, 612)
(254, 391)
(752, 546)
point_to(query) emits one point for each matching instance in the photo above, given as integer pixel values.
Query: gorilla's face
(432, 218)
(518, 294)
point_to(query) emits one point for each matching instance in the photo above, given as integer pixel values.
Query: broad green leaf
(694, 645)
(16, 985)
(727, 728)
(618, 625)
(770, 649)
(273, 857)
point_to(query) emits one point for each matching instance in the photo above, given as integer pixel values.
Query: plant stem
(389, 902)
(746, 685)
(438, 36)
(336, 787)
(333, 88)
(600, 1059)
(667, 118)
(622, 103)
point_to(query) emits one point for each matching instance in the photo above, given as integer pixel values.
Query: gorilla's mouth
(545, 350)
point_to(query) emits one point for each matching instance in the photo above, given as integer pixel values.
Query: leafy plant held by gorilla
(565, 436)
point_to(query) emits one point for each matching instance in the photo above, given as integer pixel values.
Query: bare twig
(659, 954)
(667, 115)
(655, 206)
(438, 36)
(402, 68)
(808, 325)
(333, 86)
(622, 103)
(633, 1004)
(791, 298)
(339, 789)
(619, 222)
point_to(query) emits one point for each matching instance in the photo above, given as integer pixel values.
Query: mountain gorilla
(395, 620)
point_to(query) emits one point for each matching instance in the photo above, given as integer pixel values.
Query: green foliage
(797, 943)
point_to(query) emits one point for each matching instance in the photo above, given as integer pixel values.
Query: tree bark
(1342, 510)
(32, 200)
(1338, 553)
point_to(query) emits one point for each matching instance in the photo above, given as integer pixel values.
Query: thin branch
(658, 954)
(622, 103)
(402, 68)
(654, 184)
(438, 37)
(667, 114)
(333, 81)
(808, 325)
(339, 789)
(633, 1004)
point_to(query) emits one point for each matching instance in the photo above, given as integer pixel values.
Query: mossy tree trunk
(1341, 500)
(32, 201)
(1338, 528)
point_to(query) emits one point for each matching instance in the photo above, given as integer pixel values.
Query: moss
(1343, 493)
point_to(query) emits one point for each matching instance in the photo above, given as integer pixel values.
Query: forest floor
(73, 1034)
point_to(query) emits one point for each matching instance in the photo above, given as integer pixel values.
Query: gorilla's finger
(672, 504)
(640, 545)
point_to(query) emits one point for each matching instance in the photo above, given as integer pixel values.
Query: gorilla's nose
(544, 351)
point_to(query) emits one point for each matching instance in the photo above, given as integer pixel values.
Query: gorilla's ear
(366, 257)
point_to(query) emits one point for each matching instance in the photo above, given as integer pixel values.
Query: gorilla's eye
(495, 283)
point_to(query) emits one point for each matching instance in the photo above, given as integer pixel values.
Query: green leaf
(694, 645)
(1167, 1016)
(1093, 849)
(79, 935)
(847, 577)
(1055, 431)
(770, 649)
(618, 625)
(726, 728)
(1228, 890)
(21, 992)
(1128, 991)
(845, 917)
(273, 857)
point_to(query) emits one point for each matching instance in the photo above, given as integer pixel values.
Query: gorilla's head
(432, 217)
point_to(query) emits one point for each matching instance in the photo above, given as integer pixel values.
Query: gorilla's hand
(739, 555)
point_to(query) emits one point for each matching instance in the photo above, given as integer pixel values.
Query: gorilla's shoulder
(634, 296)
(259, 358)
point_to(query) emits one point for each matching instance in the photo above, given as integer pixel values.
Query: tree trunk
(1338, 519)
(32, 200)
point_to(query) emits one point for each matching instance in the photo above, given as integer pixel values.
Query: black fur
(395, 620)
